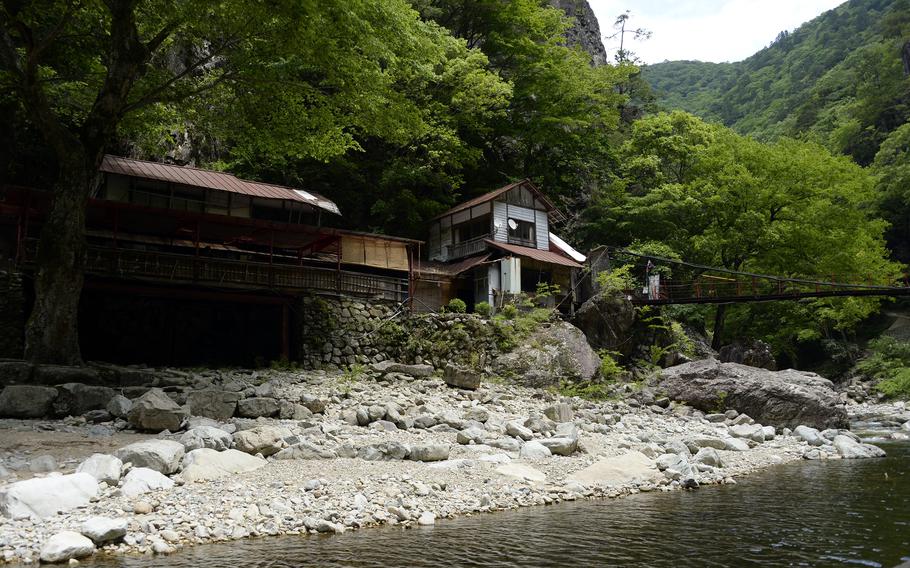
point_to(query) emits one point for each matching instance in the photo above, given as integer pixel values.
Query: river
(832, 513)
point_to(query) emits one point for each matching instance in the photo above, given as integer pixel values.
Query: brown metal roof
(211, 179)
(496, 193)
(536, 254)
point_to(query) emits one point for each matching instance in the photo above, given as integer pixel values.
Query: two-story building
(497, 245)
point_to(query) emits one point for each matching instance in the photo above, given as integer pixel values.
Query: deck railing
(170, 267)
(467, 248)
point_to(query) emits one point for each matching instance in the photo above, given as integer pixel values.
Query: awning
(536, 254)
(452, 269)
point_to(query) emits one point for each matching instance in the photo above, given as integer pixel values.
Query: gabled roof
(211, 179)
(535, 254)
(490, 196)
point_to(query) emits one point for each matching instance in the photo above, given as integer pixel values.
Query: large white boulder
(617, 470)
(848, 448)
(205, 463)
(534, 450)
(206, 437)
(161, 455)
(66, 545)
(46, 496)
(521, 471)
(104, 529)
(102, 467)
(142, 480)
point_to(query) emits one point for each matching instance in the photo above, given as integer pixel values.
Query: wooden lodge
(182, 261)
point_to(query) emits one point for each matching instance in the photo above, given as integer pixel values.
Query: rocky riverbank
(316, 452)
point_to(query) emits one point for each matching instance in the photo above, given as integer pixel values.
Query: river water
(835, 513)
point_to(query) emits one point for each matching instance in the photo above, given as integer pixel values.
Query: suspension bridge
(689, 283)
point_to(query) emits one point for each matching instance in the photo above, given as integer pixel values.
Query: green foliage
(889, 363)
(617, 280)
(589, 390)
(509, 311)
(483, 308)
(456, 306)
(720, 199)
(897, 386)
(283, 364)
(353, 373)
(610, 369)
(721, 401)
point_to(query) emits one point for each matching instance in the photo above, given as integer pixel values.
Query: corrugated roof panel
(209, 179)
(536, 254)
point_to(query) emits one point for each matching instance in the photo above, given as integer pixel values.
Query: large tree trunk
(719, 317)
(51, 334)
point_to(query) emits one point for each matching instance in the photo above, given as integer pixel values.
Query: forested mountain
(839, 79)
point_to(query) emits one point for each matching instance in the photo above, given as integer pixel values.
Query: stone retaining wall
(338, 332)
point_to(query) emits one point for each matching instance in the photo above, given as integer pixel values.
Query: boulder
(162, 456)
(754, 432)
(119, 406)
(257, 406)
(104, 529)
(809, 435)
(754, 353)
(26, 401)
(736, 445)
(386, 367)
(102, 467)
(141, 480)
(848, 448)
(155, 411)
(61, 374)
(708, 456)
(539, 424)
(205, 464)
(780, 398)
(211, 403)
(608, 322)
(552, 354)
(674, 466)
(429, 453)
(477, 414)
(516, 429)
(534, 450)
(471, 435)
(462, 378)
(266, 440)
(305, 451)
(560, 445)
(46, 496)
(507, 444)
(288, 410)
(66, 545)
(15, 373)
(561, 412)
(521, 471)
(43, 464)
(206, 437)
(617, 470)
(314, 404)
(75, 399)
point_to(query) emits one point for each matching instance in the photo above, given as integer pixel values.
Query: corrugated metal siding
(500, 222)
(542, 230)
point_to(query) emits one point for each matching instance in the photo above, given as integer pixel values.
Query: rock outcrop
(585, 30)
(781, 398)
(755, 353)
(554, 353)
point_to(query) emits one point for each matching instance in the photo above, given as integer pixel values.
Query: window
(473, 229)
(523, 233)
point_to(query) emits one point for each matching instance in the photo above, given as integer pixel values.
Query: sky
(705, 30)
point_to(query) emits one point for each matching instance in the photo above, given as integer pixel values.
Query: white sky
(705, 30)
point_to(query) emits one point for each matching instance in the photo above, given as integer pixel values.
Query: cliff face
(585, 32)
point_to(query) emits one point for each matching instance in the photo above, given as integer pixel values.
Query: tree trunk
(719, 317)
(51, 334)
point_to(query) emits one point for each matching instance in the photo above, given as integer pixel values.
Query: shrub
(483, 308)
(509, 311)
(456, 306)
(610, 370)
(897, 386)
(586, 390)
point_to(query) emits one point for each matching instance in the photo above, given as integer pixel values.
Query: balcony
(467, 248)
(530, 243)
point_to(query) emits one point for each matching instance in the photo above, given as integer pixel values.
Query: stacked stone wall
(339, 332)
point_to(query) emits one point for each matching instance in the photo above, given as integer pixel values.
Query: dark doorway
(156, 329)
